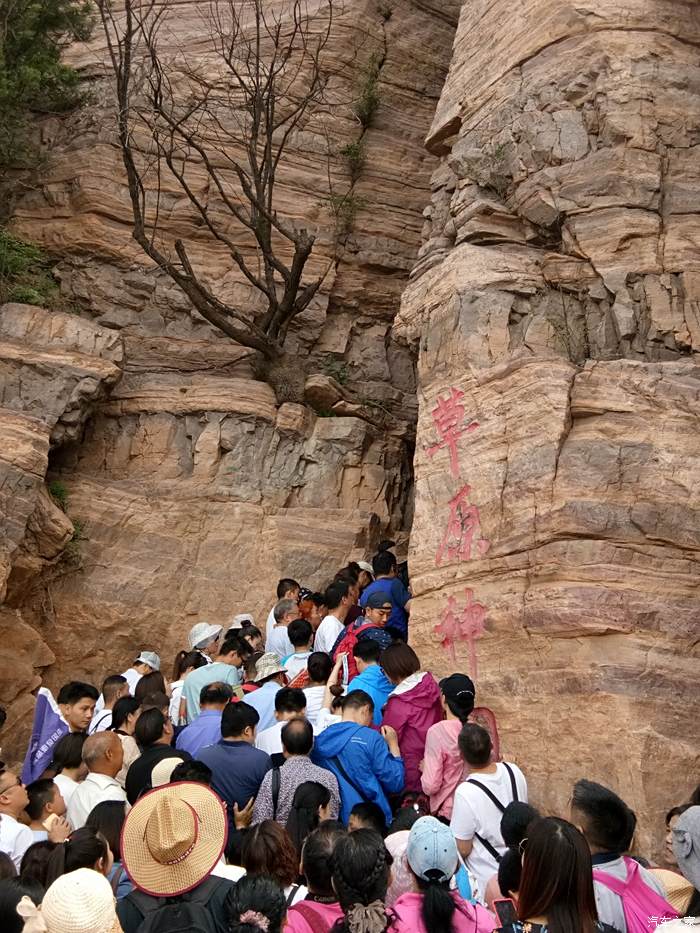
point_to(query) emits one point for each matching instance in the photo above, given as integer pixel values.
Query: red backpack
(346, 641)
(644, 908)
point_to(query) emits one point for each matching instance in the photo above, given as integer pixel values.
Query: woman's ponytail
(438, 905)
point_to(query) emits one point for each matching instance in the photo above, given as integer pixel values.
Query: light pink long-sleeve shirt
(443, 767)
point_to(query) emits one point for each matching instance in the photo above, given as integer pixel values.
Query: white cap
(202, 633)
(366, 566)
(150, 658)
(240, 619)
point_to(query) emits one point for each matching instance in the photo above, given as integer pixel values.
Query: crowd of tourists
(310, 775)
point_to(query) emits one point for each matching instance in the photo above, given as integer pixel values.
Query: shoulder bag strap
(311, 917)
(514, 786)
(345, 776)
(292, 894)
(116, 879)
(492, 797)
(492, 850)
(275, 788)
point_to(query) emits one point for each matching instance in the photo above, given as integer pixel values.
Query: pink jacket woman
(467, 918)
(412, 708)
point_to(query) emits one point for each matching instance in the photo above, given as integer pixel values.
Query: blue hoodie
(374, 681)
(365, 759)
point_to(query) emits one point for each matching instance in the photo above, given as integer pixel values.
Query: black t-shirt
(138, 777)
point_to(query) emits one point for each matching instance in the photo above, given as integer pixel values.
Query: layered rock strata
(54, 369)
(555, 308)
(195, 484)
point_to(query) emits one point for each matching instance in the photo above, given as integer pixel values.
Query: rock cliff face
(54, 369)
(555, 309)
(195, 485)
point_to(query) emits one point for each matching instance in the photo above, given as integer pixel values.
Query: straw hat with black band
(173, 837)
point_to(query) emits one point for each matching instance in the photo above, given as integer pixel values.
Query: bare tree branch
(232, 122)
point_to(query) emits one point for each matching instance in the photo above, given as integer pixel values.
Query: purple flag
(49, 726)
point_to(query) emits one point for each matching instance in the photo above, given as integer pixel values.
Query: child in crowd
(46, 811)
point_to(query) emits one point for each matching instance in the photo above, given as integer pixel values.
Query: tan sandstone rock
(554, 307)
(195, 485)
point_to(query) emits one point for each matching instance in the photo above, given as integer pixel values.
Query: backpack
(492, 850)
(187, 913)
(643, 907)
(346, 641)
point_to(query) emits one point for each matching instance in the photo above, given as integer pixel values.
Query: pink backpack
(644, 909)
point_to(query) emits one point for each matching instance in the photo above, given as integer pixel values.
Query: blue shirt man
(238, 768)
(206, 728)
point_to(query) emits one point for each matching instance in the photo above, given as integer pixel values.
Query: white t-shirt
(15, 838)
(66, 785)
(230, 872)
(296, 663)
(475, 813)
(269, 625)
(175, 697)
(279, 642)
(325, 719)
(327, 634)
(314, 702)
(270, 740)
(100, 722)
(132, 678)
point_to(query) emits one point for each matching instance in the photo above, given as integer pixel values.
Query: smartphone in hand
(505, 911)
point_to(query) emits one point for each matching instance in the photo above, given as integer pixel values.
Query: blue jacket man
(367, 764)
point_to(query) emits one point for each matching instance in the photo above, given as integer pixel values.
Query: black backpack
(187, 913)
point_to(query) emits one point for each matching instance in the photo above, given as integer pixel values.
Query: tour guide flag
(49, 726)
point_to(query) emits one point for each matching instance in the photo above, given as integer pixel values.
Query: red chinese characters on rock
(448, 418)
(462, 538)
(462, 624)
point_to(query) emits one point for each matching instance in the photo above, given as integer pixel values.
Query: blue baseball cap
(432, 851)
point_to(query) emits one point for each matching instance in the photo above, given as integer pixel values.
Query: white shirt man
(479, 803)
(104, 756)
(278, 641)
(15, 838)
(339, 599)
(286, 589)
(289, 704)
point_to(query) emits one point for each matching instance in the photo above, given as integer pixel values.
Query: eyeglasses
(16, 783)
(521, 846)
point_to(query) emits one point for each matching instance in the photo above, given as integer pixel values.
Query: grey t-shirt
(609, 904)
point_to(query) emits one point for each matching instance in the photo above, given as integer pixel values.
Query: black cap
(459, 689)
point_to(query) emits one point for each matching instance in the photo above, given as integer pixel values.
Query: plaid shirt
(294, 771)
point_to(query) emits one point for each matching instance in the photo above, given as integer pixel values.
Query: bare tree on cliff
(221, 135)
